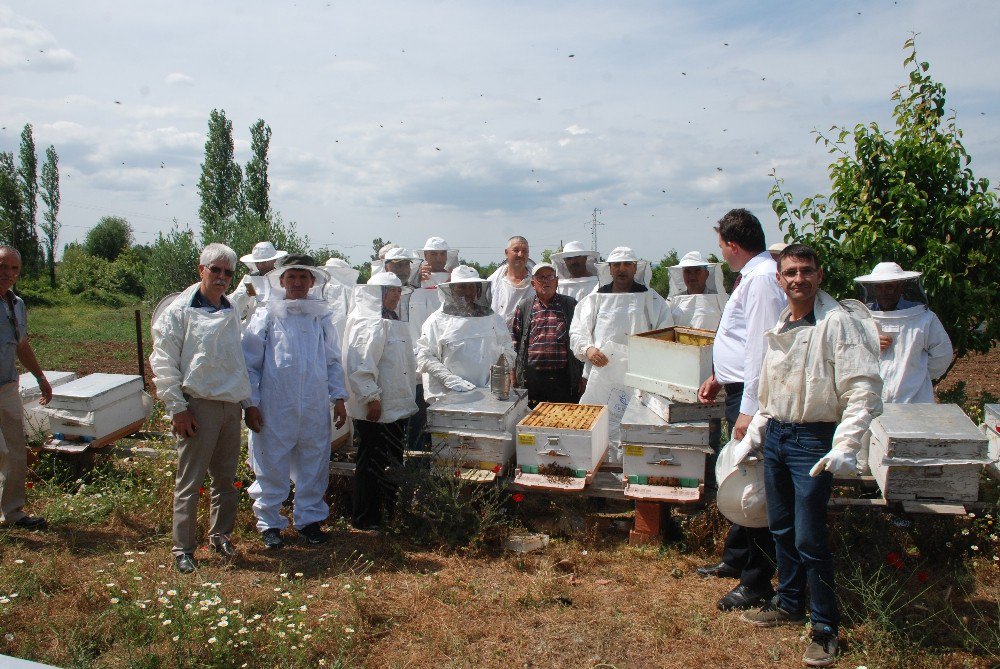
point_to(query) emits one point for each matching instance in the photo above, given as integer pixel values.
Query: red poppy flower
(29, 485)
(518, 497)
(894, 560)
(496, 470)
(458, 472)
(237, 484)
(923, 576)
(201, 490)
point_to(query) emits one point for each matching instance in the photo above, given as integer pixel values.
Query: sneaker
(822, 652)
(272, 538)
(314, 534)
(772, 615)
(185, 563)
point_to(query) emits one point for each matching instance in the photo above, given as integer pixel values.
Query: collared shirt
(752, 309)
(636, 287)
(13, 329)
(807, 320)
(199, 302)
(548, 341)
(390, 314)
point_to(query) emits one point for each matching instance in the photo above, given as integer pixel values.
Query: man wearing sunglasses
(201, 376)
(14, 345)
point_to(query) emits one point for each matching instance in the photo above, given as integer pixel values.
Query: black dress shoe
(185, 563)
(272, 538)
(31, 523)
(224, 547)
(721, 570)
(741, 597)
(314, 534)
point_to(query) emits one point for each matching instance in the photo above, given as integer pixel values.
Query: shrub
(111, 237)
(172, 264)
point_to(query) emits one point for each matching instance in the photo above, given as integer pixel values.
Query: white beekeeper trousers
(302, 458)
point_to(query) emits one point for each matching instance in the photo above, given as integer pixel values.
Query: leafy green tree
(250, 229)
(172, 263)
(255, 196)
(109, 238)
(50, 217)
(661, 273)
(220, 181)
(28, 175)
(11, 202)
(908, 196)
(377, 244)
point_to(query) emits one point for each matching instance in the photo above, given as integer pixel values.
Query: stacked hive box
(475, 430)
(930, 452)
(36, 421)
(561, 446)
(667, 434)
(98, 405)
(991, 424)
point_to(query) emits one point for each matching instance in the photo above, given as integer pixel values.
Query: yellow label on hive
(439, 435)
(635, 451)
(526, 439)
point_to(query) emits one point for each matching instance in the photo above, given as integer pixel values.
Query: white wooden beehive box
(98, 405)
(674, 466)
(672, 362)
(477, 450)
(477, 411)
(928, 431)
(570, 438)
(924, 478)
(681, 412)
(641, 426)
(36, 421)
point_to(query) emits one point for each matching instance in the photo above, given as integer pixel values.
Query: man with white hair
(201, 377)
(602, 323)
(914, 347)
(292, 352)
(511, 282)
(249, 294)
(576, 268)
(697, 295)
(463, 339)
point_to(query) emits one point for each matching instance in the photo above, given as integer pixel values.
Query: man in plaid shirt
(545, 364)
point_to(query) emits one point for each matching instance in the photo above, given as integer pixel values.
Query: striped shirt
(548, 338)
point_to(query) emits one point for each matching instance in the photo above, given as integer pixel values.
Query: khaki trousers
(13, 454)
(214, 450)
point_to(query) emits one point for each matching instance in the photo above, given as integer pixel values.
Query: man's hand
(596, 357)
(425, 272)
(183, 424)
(709, 390)
(43, 385)
(254, 419)
(884, 342)
(374, 411)
(339, 414)
(742, 423)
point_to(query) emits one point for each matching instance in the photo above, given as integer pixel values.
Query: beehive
(36, 421)
(681, 412)
(672, 362)
(98, 405)
(475, 429)
(567, 438)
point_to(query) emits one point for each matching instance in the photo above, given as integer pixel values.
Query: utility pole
(593, 229)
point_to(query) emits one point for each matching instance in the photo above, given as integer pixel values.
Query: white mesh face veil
(466, 297)
(713, 282)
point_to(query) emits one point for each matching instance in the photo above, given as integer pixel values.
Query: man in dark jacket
(545, 364)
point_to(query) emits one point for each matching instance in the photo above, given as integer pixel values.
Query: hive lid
(941, 422)
(563, 416)
(28, 384)
(95, 390)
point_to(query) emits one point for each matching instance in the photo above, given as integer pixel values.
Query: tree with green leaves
(50, 217)
(28, 175)
(661, 273)
(172, 263)
(220, 182)
(255, 196)
(908, 196)
(11, 202)
(111, 237)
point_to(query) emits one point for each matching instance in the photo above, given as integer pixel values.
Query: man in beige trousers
(13, 446)
(201, 376)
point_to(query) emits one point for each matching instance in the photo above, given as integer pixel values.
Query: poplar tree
(220, 181)
(50, 217)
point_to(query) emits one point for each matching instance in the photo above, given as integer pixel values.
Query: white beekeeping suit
(249, 294)
(463, 339)
(917, 349)
(604, 320)
(424, 299)
(292, 351)
(378, 355)
(578, 286)
(701, 309)
(339, 295)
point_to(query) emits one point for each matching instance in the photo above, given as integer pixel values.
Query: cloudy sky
(476, 120)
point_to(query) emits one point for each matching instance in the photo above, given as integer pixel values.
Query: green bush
(172, 264)
(95, 278)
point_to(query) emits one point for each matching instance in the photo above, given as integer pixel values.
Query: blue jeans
(796, 515)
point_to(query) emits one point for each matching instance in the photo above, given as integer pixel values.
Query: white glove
(838, 461)
(455, 382)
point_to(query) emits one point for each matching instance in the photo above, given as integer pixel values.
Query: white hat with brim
(320, 275)
(465, 274)
(382, 252)
(622, 254)
(385, 279)
(777, 247)
(574, 249)
(338, 263)
(263, 252)
(541, 266)
(693, 259)
(436, 244)
(398, 253)
(887, 272)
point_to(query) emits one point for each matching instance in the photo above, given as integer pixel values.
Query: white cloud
(27, 45)
(178, 79)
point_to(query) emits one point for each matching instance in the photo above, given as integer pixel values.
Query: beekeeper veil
(643, 272)
(381, 293)
(296, 261)
(466, 294)
(891, 288)
(575, 262)
(694, 275)
(340, 272)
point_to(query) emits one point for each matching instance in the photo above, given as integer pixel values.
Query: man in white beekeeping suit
(339, 295)
(381, 380)
(292, 352)
(378, 265)
(511, 282)
(436, 261)
(250, 293)
(697, 295)
(576, 268)
(463, 339)
(603, 320)
(914, 347)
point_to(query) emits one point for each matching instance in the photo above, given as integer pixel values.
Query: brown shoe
(822, 652)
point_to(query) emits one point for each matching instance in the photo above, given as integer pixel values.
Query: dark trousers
(796, 514)
(416, 439)
(748, 549)
(548, 386)
(380, 450)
